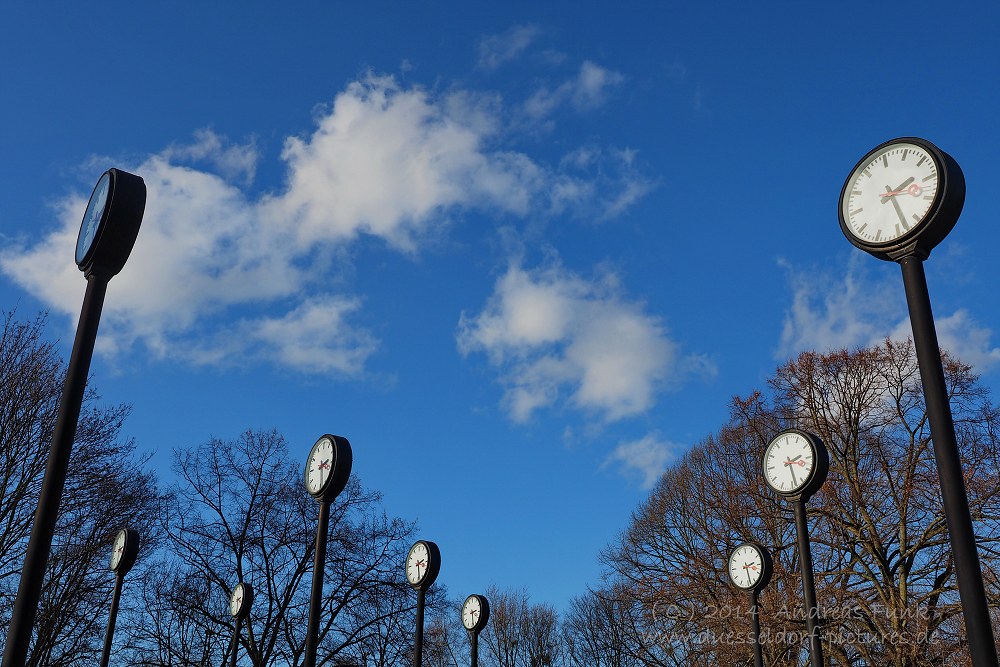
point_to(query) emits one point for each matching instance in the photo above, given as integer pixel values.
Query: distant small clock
(796, 464)
(902, 198)
(240, 600)
(111, 223)
(475, 613)
(750, 566)
(124, 551)
(328, 467)
(423, 563)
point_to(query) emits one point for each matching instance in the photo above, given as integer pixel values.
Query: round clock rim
(245, 602)
(433, 565)
(129, 554)
(484, 612)
(767, 566)
(101, 224)
(340, 469)
(940, 218)
(817, 476)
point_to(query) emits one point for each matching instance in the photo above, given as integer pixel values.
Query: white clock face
(891, 193)
(746, 566)
(789, 462)
(236, 601)
(118, 549)
(471, 611)
(417, 563)
(320, 465)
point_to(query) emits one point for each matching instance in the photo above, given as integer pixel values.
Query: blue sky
(521, 255)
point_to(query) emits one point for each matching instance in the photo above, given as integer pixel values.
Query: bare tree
(885, 577)
(106, 489)
(599, 630)
(239, 512)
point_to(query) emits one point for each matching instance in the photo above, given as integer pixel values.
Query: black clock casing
(111, 224)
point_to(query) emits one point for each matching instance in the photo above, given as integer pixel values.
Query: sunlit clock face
(417, 563)
(92, 218)
(746, 566)
(118, 549)
(473, 617)
(789, 462)
(319, 466)
(891, 193)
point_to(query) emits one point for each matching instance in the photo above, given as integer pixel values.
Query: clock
(475, 613)
(124, 551)
(750, 566)
(423, 563)
(328, 467)
(796, 464)
(902, 198)
(240, 600)
(111, 223)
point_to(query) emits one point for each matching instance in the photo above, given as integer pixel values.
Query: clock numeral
(916, 217)
(922, 160)
(905, 151)
(885, 161)
(927, 178)
(855, 212)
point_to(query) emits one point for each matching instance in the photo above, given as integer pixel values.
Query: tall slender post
(474, 641)
(112, 617)
(418, 640)
(961, 532)
(758, 653)
(43, 528)
(234, 645)
(316, 596)
(808, 585)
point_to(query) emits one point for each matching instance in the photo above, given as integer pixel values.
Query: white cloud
(647, 457)
(855, 309)
(396, 163)
(556, 337)
(496, 50)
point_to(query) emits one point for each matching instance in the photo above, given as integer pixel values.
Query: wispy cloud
(646, 458)
(560, 339)
(386, 161)
(589, 89)
(496, 50)
(851, 307)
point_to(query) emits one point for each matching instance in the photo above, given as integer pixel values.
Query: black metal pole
(971, 590)
(474, 641)
(235, 644)
(22, 620)
(418, 642)
(316, 597)
(115, 598)
(758, 653)
(808, 586)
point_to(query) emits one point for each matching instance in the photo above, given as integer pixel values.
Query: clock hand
(792, 470)
(888, 194)
(899, 212)
(914, 190)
